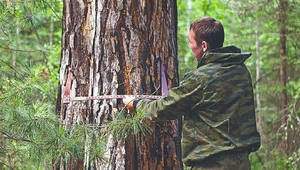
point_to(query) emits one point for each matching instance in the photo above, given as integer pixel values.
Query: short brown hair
(210, 30)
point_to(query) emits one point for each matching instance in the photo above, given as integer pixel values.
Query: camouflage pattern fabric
(227, 160)
(217, 103)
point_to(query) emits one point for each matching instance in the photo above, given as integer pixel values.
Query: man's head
(205, 34)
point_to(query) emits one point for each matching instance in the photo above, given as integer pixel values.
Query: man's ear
(205, 46)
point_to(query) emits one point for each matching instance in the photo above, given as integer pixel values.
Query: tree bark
(117, 47)
(283, 75)
(257, 87)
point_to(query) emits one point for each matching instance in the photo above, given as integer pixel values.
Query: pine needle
(126, 125)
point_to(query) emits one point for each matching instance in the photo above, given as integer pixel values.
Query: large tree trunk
(116, 47)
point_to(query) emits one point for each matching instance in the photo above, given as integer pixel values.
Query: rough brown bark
(116, 47)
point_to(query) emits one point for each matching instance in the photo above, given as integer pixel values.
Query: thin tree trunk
(188, 21)
(283, 75)
(116, 47)
(257, 86)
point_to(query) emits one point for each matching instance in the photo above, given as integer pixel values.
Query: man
(216, 100)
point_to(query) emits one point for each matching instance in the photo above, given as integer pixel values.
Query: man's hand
(128, 101)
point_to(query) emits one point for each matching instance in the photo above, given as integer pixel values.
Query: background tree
(117, 47)
(270, 29)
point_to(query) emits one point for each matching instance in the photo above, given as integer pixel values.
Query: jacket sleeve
(179, 100)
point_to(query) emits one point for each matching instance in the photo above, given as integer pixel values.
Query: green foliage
(126, 125)
(31, 135)
(29, 63)
(294, 161)
(188, 12)
(29, 29)
(277, 161)
(25, 115)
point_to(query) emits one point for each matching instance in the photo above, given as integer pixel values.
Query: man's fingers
(128, 101)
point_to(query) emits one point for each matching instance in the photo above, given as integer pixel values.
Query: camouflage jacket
(217, 103)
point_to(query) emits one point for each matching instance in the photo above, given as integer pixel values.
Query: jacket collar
(228, 54)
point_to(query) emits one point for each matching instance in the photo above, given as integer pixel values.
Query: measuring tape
(67, 98)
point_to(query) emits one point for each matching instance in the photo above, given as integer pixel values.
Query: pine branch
(7, 136)
(263, 76)
(125, 125)
(10, 66)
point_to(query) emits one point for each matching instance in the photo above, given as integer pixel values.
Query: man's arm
(179, 100)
